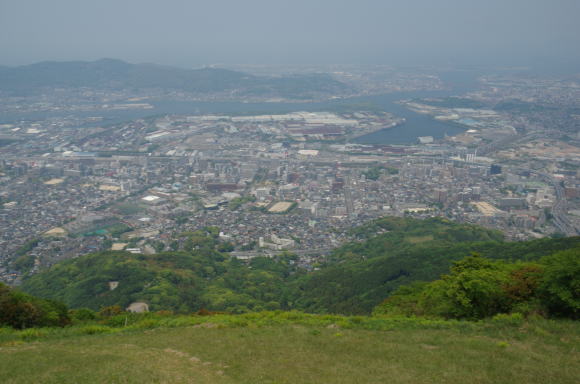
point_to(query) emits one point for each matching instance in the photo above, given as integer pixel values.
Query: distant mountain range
(116, 74)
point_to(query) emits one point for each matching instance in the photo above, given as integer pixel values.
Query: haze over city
(195, 33)
(267, 191)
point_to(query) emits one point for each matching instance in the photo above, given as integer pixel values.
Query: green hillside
(177, 281)
(361, 274)
(389, 253)
(486, 320)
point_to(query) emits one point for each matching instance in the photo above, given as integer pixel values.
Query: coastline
(369, 131)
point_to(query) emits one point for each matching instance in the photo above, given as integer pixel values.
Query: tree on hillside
(473, 290)
(19, 310)
(560, 287)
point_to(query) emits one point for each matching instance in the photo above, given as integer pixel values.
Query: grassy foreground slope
(290, 347)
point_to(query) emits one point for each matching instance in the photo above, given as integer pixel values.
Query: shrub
(20, 310)
(404, 301)
(523, 282)
(560, 285)
(31, 334)
(164, 313)
(512, 319)
(147, 324)
(83, 314)
(478, 288)
(110, 311)
(95, 330)
(121, 320)
(473, 290)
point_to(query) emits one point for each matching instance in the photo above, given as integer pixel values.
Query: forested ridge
(361, 274)
(387, 254)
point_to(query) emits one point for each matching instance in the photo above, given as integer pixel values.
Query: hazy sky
(192, 33)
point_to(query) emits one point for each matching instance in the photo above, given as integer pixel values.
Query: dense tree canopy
(20, 310)
(477, 288)
(388, 253)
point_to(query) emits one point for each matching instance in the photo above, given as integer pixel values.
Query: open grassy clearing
(298, 348)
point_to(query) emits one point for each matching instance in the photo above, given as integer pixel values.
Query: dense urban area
(72, 184)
